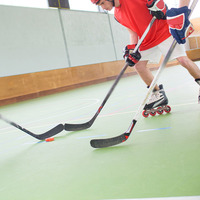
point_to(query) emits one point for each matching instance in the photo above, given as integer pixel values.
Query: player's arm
(179, 24)
(133, 36)
(130, 57)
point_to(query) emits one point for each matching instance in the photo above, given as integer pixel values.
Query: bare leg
(158, 97)
(144, 72)
(190, 66)
(192, 69)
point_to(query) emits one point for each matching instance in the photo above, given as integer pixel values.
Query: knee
(184, 61)
(140, 66)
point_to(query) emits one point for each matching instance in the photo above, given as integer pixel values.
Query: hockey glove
(130, 57)
(179, 24)
(157, 8)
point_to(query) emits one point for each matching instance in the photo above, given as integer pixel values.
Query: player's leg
(145, 73)
(192, 69)
(190, 66)
(158, 97)
(198, 81)
(179, 53)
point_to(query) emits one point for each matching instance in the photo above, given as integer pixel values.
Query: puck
(49, 139)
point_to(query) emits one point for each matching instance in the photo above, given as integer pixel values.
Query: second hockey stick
(102, 143)
(77, 127)
(57, 129)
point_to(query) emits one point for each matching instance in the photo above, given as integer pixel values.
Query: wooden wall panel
(193, 42)
(198, 42)
(194, 54)
(27, 86)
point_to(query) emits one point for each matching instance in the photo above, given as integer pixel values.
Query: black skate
(157, 103)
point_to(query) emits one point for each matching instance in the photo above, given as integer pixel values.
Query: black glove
(157, 8)
(130, 57)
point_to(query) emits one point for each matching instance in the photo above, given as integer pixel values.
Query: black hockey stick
(101, 143)
(57, 129)
(77, 127)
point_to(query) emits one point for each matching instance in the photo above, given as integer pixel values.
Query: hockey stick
(57, 129)
(101, 143)
(77, 127)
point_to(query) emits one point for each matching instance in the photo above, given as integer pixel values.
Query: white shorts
(154, 54)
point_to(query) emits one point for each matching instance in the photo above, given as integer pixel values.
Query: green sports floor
(160, 160)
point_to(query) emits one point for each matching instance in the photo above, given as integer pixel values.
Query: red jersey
(135, 15)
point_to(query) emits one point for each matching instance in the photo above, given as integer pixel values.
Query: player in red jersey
(135, 15)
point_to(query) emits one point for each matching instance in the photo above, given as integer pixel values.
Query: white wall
(30, 40)
(34, 39)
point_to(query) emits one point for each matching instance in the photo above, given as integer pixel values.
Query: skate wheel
(160, 112)
(145, 114)
(168, 109)
(152, 113)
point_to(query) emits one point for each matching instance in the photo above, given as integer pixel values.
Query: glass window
(26, 3)
(82, 5)
(85, 5)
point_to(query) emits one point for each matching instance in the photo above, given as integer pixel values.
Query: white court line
(165, 198)
(55, 115)
(133, 111)
(11, 129)
(92, 136)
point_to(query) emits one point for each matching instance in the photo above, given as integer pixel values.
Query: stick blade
(102, 143)
(57, 129)
(77, 127)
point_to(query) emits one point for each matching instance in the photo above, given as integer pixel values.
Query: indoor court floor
(160, 160)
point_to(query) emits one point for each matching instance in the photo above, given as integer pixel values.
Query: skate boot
(198, 81)
(157, 103)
